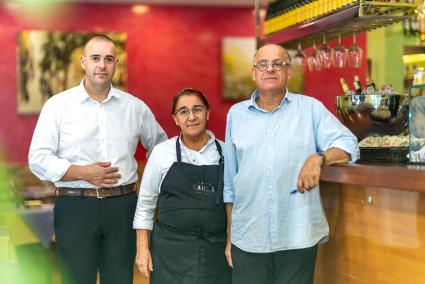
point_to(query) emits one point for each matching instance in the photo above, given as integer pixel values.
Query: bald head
(97, 38)
(283, 51)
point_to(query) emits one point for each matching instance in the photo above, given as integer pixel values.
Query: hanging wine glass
(339, 54)
(355, 54)
(299, 57)
(313, 61)
(325, 54)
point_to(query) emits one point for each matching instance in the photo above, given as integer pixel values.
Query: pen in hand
(294, 191)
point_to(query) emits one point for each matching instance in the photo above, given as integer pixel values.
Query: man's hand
(99, 174)
(228, 252)
(309, 175)
(144, 261)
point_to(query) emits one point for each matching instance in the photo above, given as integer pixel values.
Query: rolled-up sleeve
(230, 163)
(42, 158)
(331, 133)
(148, 194)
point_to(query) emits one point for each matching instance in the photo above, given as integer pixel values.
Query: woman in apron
(183, 179)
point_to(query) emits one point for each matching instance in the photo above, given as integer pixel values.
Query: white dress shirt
(160, 161)
(74, 129)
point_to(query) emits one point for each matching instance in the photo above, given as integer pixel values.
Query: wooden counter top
(389, 175)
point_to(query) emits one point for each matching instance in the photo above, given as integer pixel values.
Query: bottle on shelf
(408, 77)
(370, 87)
(345, 87)
(357, 85)
(419, 77)
(414, 27)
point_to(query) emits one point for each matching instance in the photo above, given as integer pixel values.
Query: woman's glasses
(184, 112)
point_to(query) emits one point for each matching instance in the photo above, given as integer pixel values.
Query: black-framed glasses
(184, 112)
(277, 65)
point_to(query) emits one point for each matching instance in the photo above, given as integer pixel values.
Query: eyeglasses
(277, 65)
(185, 112)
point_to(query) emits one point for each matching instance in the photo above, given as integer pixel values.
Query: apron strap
(178, 150)
(220, 176)
(219, 151)
(179, 154)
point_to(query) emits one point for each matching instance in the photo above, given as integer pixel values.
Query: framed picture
(49, 62)
(237, 55)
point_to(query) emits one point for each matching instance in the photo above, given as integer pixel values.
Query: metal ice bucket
(376, 114)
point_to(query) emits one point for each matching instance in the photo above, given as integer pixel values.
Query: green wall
(385, 51)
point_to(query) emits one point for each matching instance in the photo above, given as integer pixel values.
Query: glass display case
(417, 123)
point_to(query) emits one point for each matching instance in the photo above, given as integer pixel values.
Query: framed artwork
(49, 62)
(237, 54)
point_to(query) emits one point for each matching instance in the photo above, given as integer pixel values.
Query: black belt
(96, 192)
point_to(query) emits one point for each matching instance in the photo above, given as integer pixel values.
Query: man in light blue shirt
(276, 144)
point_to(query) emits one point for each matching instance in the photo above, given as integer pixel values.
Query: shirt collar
(211, 140)
(82, 94)
(253, 104)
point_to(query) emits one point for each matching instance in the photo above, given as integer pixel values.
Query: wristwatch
(323, 159)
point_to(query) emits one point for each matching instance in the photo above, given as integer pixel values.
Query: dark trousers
(282, 267)
(96, 235)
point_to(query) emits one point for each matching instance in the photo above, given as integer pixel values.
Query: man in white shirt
(84, 142)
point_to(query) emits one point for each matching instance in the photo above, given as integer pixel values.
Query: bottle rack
(356, 17)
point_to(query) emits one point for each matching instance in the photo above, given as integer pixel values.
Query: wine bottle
(357, 85)
(370, 86)
(345, 87)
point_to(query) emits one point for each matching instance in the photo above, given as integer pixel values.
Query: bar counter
(376, 215)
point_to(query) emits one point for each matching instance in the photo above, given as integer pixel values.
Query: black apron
(189, 239)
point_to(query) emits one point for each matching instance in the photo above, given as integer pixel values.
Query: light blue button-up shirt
(263, 155)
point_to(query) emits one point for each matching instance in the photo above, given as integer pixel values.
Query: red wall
(168, 48)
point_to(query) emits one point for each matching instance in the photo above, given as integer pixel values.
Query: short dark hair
(101, 37)
(188, 92)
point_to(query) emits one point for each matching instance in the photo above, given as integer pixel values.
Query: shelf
(354, 18)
